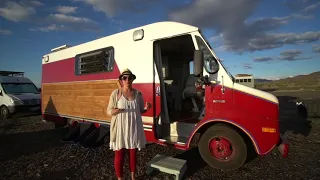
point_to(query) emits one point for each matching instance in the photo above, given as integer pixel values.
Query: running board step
(174, 140)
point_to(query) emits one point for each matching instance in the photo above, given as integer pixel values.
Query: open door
(175, 85)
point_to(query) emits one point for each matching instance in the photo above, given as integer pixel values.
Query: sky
(269, 39)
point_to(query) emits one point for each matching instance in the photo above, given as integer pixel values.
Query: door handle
(222, 83)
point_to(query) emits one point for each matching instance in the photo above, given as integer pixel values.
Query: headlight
(11, 100)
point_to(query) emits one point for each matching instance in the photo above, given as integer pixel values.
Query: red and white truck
(231, 118)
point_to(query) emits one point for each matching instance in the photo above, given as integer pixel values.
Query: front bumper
(283, 146)
(26, 109)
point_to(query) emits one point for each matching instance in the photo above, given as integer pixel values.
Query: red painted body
(245, 111)
(248, 112)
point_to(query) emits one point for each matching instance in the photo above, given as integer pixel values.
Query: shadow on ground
(194, 161)
(27, 143)
(290, 119)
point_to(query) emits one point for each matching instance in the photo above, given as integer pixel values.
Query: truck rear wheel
(4, 113)
(222, 147)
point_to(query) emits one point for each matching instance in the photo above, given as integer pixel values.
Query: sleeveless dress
(130, 132)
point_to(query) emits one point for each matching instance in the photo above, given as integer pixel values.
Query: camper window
(101, 60)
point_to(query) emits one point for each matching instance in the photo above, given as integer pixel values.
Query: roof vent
(60, 48)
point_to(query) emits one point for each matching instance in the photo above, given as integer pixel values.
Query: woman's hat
(127, 72)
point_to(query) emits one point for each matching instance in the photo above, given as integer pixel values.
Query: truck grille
(31, 102)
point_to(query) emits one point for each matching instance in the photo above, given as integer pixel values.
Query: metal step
(175, 140)
(168, 165)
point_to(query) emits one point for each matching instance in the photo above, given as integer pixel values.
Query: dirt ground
(31, 149)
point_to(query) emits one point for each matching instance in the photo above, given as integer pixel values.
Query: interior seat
(190, 91)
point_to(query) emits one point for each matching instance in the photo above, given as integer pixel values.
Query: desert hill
(307, 82)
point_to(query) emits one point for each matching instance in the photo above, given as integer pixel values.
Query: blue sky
(267, 38)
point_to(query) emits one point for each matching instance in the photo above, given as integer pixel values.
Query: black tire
(224, 134)
(4, 113)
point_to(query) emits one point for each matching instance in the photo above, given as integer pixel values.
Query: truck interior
(181, 106)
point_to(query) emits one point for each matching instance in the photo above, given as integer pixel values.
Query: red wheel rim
(221, 148)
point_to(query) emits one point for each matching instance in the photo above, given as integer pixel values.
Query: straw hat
(127, 72)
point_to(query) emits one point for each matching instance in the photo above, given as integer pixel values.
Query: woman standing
(126, 131)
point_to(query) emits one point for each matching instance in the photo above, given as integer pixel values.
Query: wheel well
(245, 137)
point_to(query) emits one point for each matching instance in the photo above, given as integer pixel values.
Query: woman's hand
(116, 111)
(147, 106)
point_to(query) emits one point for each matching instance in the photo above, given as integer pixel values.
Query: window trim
(94, 52)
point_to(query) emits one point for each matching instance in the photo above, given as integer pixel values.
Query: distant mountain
(310, 81)
(262, 80)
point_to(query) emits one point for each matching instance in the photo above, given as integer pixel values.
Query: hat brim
(134, 76)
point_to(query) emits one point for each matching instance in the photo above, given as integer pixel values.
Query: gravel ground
(30, 149)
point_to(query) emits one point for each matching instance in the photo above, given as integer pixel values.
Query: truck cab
(18, 94)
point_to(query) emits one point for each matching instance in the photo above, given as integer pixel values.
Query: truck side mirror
(198, 63)
(1, 93)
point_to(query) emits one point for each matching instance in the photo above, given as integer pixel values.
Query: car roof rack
(12, 73)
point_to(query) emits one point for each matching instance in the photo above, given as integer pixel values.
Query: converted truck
(230, 118)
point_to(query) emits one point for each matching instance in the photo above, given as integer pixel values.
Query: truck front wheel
(222, 147)
(4, 113)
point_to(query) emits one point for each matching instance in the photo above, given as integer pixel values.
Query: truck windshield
(19, 88)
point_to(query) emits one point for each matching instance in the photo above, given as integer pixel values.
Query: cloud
(52, 27)
(311, 7)
(13, 11)
(247, 66)
(275, 40)
(263, 59)
(292, 55)
(288, 55)
(24, 10)
(230, 22)
(301, 16)
(59, 22)
(316, 48)
(67, 9)
(5, 32)
(34, 3)
(113, 7)
(62, 18)
(296, 5)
